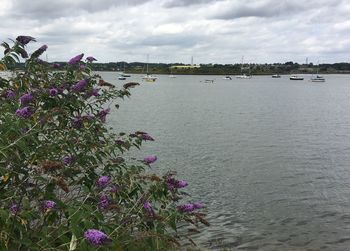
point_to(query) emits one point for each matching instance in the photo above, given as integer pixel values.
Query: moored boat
(318, 78)
(296, 77)
(227, 78)
(276, 76)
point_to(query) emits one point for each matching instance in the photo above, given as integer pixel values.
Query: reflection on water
(269, 157)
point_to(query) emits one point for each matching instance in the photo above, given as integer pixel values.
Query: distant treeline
(219, 69)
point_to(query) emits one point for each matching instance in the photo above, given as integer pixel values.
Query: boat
(211, 81)
(149, 77)
(126, 75)
(318, 78)
(227, 78)
(296, 77)
(121, 77)
(276, 76)
(244, 75)
(171, 73)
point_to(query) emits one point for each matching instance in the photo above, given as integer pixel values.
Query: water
(269, 157)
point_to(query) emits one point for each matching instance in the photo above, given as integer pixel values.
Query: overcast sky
(212, 31)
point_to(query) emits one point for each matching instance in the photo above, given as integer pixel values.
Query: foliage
(64, 181)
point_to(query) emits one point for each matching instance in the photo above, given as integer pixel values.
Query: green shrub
(64, 183)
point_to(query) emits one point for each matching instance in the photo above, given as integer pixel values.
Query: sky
(172, 31)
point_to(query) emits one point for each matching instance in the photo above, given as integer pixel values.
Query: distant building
(184, 66)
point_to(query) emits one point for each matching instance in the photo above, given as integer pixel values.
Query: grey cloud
(184, 3)
(258, 9)
(42, 9)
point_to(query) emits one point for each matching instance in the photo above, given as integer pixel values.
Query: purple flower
(96, 237)
(15, 208)
(53, 92)
(10, 94)
(23, 53)
(103, 181)
(39, 51)
(189, 207)
(76, 59)
(26, 98)
(24, 39)
(90, 59)
(80, 86)
(149, 208)
(104, 202)
(56, 66)
(48, 205)
(150, 159)
(68, 160)
(102, 114)
(95, 92)
(77, 122)
(146, 137)
(173, 183)
(25, 112)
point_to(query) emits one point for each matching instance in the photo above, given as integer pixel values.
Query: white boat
(121, 77)
(148, 77)
(211, 81)
(172, 76)
(276, 76)
(227, 78)
(318, 78)
(296, 77)
(244, 75)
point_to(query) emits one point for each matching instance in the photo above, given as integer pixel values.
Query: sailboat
(171, 73)
(243, 75)
(318, 78)
(148, 77)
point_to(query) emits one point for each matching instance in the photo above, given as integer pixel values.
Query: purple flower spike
(146, 137)
(148, 207)
(189, 207)
(26, 98)
(56, 66)
(53, 92)
(24, 39)
(76, 59)
(103, 181)
(80, 86)
(10, 94)
(150, 159)
(96, 237)
(24, 54)
(90, 59)
(48, 205)
(77, 122)
(15, 208)
(68, 160)
(39, 51)
(173, 183)
(104, 202)
(103, 114)
(95, 92)
(25, 112)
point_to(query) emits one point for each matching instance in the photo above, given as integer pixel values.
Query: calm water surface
(269, 157)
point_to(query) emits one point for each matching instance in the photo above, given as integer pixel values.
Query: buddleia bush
(64, 181)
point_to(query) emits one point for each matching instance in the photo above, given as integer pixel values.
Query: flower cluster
(150, 159)
(189, 207)
(96, 237)
(24, 112)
